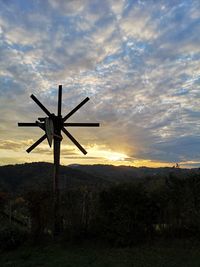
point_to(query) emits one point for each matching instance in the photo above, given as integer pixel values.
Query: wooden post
(56, 189)
(10, 211)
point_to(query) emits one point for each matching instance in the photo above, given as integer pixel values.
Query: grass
(161, 254)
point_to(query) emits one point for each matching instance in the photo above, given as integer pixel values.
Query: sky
(138, 62)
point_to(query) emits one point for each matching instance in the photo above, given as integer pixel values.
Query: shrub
(122, 214)
(11, 236)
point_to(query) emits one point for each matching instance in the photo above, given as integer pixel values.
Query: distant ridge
(39, 175)
(128, 173)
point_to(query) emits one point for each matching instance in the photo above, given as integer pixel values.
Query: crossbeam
(40, 140)
(76, 108)
(40, 105)
(59, 100)
(80, 124)
(27, 124)
(74, 141)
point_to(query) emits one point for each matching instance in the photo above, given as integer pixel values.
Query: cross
(53, 125)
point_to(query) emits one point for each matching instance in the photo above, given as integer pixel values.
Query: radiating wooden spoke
(40, 105)
(27, 124)
(74, 141)
(81, 124)
(59, 99)
(36, 143)
(76, 108)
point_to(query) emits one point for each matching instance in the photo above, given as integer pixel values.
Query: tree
(122, 213)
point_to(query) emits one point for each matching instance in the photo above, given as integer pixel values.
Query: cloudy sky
(138, 61)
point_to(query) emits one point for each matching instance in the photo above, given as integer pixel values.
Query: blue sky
(138, 61)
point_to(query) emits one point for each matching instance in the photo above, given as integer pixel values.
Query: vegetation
(130, 218)
(166, 254)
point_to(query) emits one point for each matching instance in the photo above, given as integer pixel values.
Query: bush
(11, 236)
(122, 214)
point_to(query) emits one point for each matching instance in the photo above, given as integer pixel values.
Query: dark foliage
(121, 214)
(12, 236)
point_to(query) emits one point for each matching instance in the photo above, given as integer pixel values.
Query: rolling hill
(16, 178)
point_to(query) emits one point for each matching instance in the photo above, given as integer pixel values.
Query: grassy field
(160, 254)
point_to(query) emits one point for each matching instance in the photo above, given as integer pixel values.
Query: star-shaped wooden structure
(53, 125)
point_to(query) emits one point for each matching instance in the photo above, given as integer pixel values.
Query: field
(161, 254)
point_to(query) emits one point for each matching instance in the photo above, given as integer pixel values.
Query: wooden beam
(41, 105)
(36, 143)
(59, 100)
(27, 124)
(74, 141)
(81, 124)
(76, 108)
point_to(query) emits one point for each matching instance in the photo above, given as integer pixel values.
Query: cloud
(138, 61)
(71, 7)
(14, 145)
(179, 149)
(21, 36)
(139, 25)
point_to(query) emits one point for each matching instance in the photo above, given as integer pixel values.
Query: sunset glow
(137, 61)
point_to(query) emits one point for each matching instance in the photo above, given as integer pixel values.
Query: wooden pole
(56, 189)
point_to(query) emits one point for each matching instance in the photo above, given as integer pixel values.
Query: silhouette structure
(53, 125)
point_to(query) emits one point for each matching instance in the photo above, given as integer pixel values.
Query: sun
(115, 156)
(107, 154)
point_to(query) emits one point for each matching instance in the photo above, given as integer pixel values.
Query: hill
(127, 173)
(19, 177)
(15, 178)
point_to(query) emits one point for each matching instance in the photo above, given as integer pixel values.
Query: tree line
(122, 214)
